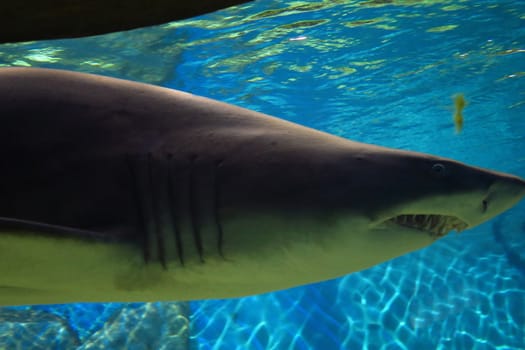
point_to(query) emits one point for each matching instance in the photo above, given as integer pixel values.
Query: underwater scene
(434, 76)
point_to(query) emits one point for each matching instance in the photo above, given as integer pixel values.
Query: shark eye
(438, 169)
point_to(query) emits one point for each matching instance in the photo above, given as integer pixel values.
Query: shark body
(40, 20)
(112, 190)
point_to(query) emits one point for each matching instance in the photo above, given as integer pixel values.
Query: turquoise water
(381, 72)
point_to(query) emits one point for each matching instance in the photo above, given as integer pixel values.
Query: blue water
(373, 71)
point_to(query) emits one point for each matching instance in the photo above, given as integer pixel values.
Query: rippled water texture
(375, 71)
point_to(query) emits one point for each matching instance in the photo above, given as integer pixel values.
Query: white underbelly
(40, 270)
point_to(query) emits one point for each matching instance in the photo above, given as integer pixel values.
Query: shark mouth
(435, 225)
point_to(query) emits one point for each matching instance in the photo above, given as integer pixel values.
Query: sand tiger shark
(38, 20)
(112, 190)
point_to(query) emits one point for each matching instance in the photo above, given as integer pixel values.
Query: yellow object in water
(459, 104)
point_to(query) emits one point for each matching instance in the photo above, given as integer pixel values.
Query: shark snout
(505, 192)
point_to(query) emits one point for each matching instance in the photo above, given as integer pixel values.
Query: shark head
(367, 185)
(334, 206)
(432, 194)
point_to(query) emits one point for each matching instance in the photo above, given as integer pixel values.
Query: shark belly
(61, 270)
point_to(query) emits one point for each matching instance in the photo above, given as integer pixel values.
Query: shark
(44, 20)
(113, 190)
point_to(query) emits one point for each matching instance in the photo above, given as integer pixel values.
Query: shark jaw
(435, 225)
(439, 215)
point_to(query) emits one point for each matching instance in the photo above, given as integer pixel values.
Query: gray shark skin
(30, 20)
(112, 190)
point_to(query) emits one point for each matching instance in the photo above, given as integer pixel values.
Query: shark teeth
(436, 225)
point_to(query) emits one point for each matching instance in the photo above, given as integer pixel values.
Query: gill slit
(140, 206)
(194, 215)
(216, 203)
(172, 198)
(155, 210)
